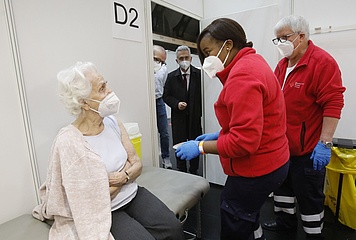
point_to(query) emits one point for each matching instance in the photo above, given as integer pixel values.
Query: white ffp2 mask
(213, 64)
(156, 66)
(184, 65)
(108, 106)
(286, 48)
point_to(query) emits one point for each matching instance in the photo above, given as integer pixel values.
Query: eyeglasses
(283, 38)
(159, 60)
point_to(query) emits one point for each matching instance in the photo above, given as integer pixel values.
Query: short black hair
(222, 29)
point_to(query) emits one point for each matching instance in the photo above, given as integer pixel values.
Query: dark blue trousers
(162, 125)
(241, 202)
(306, 185)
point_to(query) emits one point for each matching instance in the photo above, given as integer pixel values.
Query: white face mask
(213, 64)
(156, 66)
(108, 106)
(184, 65)
(286, 48)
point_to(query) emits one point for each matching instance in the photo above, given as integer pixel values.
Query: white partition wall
(53, 35)
(17, 185)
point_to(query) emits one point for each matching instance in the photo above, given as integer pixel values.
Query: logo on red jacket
(297, 84)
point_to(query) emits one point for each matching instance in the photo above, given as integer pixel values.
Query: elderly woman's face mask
(108, 106)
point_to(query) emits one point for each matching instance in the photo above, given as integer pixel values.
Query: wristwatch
(327, 144)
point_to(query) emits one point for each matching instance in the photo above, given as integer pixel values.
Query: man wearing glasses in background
(311, 82)
(161, 73)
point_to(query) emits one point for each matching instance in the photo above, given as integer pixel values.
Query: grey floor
(210, 217)
(211, 221)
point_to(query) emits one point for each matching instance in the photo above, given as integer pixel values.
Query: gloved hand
(208, 136)
(320, 156)
(188, 150)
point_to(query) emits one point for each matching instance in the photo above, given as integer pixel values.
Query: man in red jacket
(311, 82)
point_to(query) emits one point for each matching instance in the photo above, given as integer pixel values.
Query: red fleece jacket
(251, 112)
(313, 90)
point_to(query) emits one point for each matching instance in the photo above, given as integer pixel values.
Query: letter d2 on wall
(127, 19)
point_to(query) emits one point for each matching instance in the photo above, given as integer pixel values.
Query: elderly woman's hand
(117, 179)
(114, 191)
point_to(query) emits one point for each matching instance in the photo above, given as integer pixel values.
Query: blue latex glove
(188, 150)
(320, 156)
(208, 136)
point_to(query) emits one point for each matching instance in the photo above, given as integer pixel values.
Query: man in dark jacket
(182, 93)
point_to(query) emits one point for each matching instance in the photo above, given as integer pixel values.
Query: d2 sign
(127, 19)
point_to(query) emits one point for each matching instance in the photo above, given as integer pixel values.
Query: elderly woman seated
(90, 191)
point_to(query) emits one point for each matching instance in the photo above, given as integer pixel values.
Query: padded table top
(178, 190)
(24, 227)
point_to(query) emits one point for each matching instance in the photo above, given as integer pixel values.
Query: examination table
(179, 191)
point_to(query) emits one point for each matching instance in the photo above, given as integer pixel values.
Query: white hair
(74, 85)
(295, 23)
(182, 48)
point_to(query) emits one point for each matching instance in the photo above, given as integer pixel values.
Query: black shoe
(164, 166)
(274, 226)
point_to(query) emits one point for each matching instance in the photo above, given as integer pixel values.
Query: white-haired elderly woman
(90, 191)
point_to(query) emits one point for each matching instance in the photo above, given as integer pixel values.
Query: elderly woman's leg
(125, 227)
(155, 216)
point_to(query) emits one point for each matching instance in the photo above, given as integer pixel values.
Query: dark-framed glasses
(283, 38)
(157, 60)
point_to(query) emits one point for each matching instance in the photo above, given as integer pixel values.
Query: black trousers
(241, 201)
(193, 165)
(305, 185)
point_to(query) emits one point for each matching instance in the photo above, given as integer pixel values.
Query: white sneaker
(167, 163)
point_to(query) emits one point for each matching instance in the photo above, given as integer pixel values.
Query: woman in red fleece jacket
(252, 143)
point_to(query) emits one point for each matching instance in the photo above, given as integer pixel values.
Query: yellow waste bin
(135, 136)
(340, 189)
